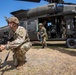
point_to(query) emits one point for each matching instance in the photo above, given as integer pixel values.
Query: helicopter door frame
(32, 28)
(53, 21)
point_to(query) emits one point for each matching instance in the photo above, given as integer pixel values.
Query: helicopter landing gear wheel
(71, 43)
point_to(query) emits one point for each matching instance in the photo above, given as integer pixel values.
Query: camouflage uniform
(20, 45)
(63, 30)
(43, 34)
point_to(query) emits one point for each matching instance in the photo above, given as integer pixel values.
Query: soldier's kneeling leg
(15, 60)
(21, 55)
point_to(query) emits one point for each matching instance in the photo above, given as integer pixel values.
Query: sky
(8, 6)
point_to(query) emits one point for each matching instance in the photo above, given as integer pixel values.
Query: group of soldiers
(21, 42)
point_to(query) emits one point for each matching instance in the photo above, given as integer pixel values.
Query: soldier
(21, 43)
(63, 29)
(43, 35)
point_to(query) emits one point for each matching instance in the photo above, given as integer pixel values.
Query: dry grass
(55, 60)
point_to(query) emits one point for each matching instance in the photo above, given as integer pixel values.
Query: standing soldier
(42, 35)
(63, 29)
(21, 43)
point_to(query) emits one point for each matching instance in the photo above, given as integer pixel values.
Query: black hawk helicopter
(58, 17)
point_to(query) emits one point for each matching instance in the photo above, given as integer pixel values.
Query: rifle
(1, 66)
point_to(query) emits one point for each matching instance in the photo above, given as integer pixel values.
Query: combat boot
(15, 60)
(20, 66)
(45, 46)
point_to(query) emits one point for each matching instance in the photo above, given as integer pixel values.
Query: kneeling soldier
(21, 43)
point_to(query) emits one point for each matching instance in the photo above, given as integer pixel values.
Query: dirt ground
(55, 60)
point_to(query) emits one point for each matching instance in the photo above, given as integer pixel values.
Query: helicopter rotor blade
(69, 3)
(30, 0)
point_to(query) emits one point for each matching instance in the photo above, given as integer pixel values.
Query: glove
(2, 47)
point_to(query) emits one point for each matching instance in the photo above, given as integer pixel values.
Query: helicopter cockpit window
(59, 5)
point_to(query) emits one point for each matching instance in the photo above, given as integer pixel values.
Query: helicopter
(58, 17)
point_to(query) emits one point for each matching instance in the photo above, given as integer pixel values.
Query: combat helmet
(13, 19)
(40, 24)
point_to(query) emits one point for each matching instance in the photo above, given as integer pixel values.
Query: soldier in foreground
(42, 35)
(21, 43)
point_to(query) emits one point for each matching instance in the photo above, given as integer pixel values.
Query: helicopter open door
(55, 27)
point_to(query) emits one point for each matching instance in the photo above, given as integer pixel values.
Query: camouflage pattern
(43, 34)
(0, 61)
(13, 19)
(20, 45)
(63, 29)
(64, 32)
